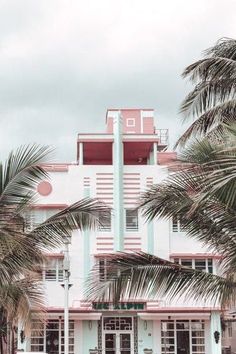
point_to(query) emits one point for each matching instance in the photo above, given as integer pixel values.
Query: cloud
(63, 63)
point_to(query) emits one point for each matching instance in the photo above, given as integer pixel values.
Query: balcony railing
(163, 136)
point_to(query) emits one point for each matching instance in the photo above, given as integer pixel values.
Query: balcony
(163, 136)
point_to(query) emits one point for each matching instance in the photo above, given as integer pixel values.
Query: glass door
(183, 342)
(118, 343)
(118, 335)
(125, 343)
(110, 343)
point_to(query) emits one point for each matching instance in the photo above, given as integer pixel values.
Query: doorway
(118, 335)
(183, 346)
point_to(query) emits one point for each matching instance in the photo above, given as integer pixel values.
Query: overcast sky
(63, 63)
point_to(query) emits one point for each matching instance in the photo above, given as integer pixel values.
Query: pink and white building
(116, 166)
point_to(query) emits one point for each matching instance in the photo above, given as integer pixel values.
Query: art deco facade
(115, 167)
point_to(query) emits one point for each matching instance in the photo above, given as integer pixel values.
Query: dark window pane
(187, 263)
(104, 222)
(131, 220)
(200, 264)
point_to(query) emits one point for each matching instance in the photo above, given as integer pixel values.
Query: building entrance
(118, 335)
(183, 346)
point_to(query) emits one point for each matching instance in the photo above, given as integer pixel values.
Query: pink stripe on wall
(56, 167)
(131, 174)
(132, 243)
(86, 181)
(104, 191)
(104, 174)
(104, 243)
(104, 178)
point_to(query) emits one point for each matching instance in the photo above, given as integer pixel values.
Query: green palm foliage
(200, 192)
(22, 251)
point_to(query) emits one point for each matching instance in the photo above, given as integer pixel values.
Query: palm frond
(224, 47)
(22, 297)
(212, 101)
(21, 173)
(206, 95)
(223, 113)
(80, 215)
(199, 153)
(21, 251)
(143, 276)
(17, 255)
(211, 69)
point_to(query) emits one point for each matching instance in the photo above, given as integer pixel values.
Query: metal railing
(163, 136)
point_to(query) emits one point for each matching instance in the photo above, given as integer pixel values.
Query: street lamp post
(66, 269)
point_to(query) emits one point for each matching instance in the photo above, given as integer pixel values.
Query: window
(176, 225)
(53, 270)
(104, 274)
(104, 222)
(204, 264)
(49, 337)
(131, 220)
(102, 269)
(105, 270)
(184, 335)
(35, 217)
(130, 122)
(230, 331)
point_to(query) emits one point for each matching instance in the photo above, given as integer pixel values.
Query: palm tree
(22, 251)
(200, 192)
(212, 102)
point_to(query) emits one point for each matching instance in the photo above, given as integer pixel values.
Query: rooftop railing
(163, 136)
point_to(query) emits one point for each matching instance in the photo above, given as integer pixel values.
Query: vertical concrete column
(155, 153)
(81, 153)
(118, 161)
(150, 246)
(21, 340)
(215, 330)
(150, 229)
(86, 241)
(151, 159)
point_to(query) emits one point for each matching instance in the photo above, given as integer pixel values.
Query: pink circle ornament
(44, 188)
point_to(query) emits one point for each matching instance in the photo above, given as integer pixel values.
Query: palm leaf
(20, 297)
(143, 276)
(80, 215)
(214, 118)
(21, 174)
(225, 47)
(212, 101)
(211, 69)
(208, 94)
